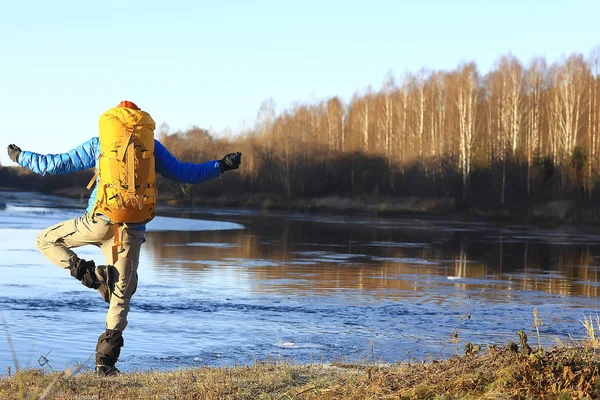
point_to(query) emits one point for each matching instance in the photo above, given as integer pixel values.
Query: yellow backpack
(125, 170)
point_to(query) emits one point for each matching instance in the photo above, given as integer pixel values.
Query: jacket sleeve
(78, 159)
(171, 168)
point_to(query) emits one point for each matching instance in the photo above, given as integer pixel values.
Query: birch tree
(363, 118)
(438, 113)
(418, 100)
(593, 114)
(388, 116)
(401, 106)
(512, 78)
(535, 86)
(335, 125)
(569, 81)
(466, 104)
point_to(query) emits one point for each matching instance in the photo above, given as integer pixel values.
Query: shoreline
(549, 213)
(496, 372)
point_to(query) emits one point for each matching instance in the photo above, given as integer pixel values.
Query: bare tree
(466, 103)
(388, 116)
(438, 113)
(568, 105)
(512, 82)
(335, 125)
(535, 84)
(402, 107)
(363, 117)
(593, 114)
(420, 99)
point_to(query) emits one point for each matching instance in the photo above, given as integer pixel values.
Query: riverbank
(496, 372)
(541, 212)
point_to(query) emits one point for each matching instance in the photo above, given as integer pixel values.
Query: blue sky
(211, 64)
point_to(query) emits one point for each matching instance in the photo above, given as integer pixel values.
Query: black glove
(231, 161)
(13, 152)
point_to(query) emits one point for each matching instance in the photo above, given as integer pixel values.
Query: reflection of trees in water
(282, 254)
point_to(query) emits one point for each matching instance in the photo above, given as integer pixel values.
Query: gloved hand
(231, 161)
(13, 152)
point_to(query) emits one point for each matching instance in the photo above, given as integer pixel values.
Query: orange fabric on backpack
(126, 167)
(129, 104)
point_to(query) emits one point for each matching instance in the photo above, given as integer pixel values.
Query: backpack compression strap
(117, 242)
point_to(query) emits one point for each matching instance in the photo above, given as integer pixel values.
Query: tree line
(519, 132)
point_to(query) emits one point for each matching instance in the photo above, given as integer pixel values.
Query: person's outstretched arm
(171, 168)
(78, 159)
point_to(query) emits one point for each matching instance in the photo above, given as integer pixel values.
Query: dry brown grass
(569, 371)
(496, 373)
(592, 337)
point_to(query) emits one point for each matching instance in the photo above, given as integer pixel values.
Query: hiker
(126, 158)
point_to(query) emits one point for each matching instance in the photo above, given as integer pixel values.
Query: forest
(519, 134)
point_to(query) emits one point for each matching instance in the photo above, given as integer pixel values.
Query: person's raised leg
(57, 241)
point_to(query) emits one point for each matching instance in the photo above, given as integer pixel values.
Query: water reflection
(299, 256)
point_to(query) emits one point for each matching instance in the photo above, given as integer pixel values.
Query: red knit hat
(128, 104)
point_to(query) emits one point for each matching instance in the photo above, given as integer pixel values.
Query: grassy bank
(567, 372)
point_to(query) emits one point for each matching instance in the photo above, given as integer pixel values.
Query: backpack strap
(131, 169)
(125, 141)
(93, 180)
(97, 203)
(117, 242)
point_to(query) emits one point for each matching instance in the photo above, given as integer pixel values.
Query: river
(228, 287)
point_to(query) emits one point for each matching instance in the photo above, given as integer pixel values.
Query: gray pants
(57, 241)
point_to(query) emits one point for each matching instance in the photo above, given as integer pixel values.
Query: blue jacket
(86, 156)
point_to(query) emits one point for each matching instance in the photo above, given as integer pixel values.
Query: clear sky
(212, 63)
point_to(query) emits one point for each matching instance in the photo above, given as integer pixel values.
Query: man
(120, 242)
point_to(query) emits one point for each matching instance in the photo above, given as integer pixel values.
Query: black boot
(84, 271)
(105, 370)
(108, 350)
(104, 287)
(92, 276)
